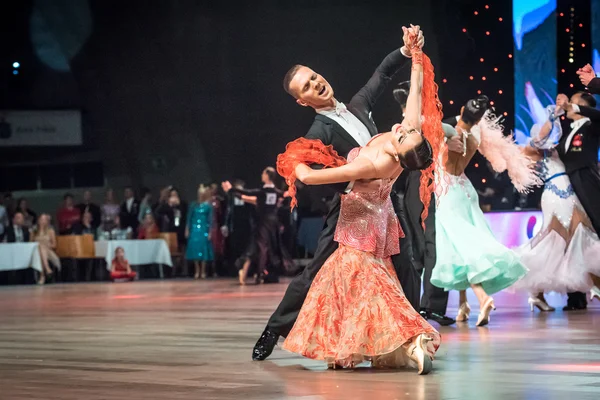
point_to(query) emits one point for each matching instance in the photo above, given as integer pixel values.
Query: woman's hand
(455, 144)
(414, 32)
(586, 74)
(187, 232)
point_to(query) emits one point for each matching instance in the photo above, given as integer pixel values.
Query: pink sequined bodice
(367, 220)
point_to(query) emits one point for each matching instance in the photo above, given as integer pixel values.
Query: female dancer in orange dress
(356, 310)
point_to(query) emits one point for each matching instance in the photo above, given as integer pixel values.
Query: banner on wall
(40, 128)
(516, 228)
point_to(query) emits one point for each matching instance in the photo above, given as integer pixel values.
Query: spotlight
(16, 64)
(15, 72)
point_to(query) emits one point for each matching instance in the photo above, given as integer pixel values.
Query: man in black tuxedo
(343, 127)
(130, 210)
(578, 150)
(17, 232)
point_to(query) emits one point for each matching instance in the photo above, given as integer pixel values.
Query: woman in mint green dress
(468, 254)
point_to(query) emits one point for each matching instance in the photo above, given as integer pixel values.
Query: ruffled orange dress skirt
(356, 311)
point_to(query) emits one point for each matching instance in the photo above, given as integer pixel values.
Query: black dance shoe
(440, 319)
(575, 307)
(265, 345)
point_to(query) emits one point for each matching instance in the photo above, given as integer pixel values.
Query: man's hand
(455, 144)
(586, 74)
(562, 101)
(413, 30)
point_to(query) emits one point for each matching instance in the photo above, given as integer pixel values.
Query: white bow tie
(340, 108)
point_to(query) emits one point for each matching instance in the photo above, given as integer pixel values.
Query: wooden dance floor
(179, 339)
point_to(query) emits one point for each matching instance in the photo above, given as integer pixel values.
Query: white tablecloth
(137, 252)
(15, 256)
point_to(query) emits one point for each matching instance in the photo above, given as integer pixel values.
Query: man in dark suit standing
(344, 128)
(578, 150)
(130, 210)
(17, 232)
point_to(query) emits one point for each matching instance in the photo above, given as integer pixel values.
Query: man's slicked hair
(588, 98)
(287, 79)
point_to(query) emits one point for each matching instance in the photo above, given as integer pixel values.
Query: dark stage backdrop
(185, 92)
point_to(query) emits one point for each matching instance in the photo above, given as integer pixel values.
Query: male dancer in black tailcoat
(343, 127)
(578, 150)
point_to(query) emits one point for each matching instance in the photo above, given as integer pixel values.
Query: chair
(176, 254)
(77, 247)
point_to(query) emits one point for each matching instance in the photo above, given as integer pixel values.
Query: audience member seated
(110, 209)
(117, 233)
(29, 216)
(85, 226)
(120, 268)
(149, 229)
(17, 232)
(67, 216)
(45, 236)
(130, 210)
(89, 206)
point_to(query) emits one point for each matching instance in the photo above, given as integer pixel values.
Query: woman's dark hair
(474, 109)
(271, 173)
(588, 98)
(21, 199)
(401, 93)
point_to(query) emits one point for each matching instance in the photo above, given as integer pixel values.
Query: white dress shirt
(349, 122)
(575, 126)
(129, 203)
(18, 234)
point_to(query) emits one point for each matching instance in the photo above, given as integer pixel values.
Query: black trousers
(417, 248)
(586, 184)
(284, 317)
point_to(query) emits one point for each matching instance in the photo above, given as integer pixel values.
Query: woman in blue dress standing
(197, 231)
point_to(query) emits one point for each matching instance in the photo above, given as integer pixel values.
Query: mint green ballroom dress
(466, 250)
